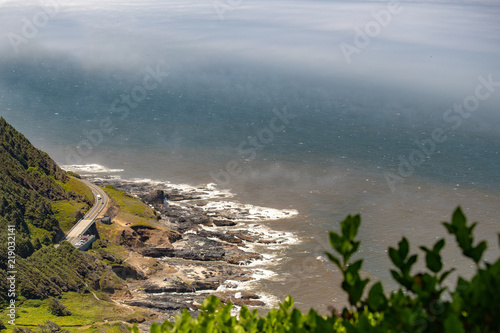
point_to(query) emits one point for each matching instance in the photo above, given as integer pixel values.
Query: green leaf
(432, 257)
(355, 267)
(445, 274)
(353, 248)
(155, 328)
(439, 245)
(296, 318)
(411, 261)
(356, 291)
(396, 276)
(404, 247)
(376, 298)
(349, 227)
(363, 324)
(452, 324)
(458, 219)
(288, 303)
(464, 236)
(396, 259)
(244, 312)
(166, 326)
(335, 240)
(433, 261)
(334, 259)
(477, 252)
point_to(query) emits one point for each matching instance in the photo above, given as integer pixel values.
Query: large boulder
(155, 197)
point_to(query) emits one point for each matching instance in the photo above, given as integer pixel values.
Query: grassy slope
(66, 211)
(88, 313)
(132, 210)
(77, 186)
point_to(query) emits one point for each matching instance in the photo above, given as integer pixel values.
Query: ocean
(262, 103)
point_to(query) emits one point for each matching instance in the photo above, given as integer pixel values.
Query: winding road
(81, 227)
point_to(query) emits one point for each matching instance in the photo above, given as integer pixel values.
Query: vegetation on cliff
(58, 284)
(31, 185)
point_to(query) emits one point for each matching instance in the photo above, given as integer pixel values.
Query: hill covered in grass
(36, 196)
(55, 283)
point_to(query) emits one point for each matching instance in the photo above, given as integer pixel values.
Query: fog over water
(275, 89)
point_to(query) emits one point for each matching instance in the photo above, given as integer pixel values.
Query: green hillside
(31, 185)
(38, 198)
(53, 284)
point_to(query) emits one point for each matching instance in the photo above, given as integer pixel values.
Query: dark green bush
(421, 304)
(57, 308)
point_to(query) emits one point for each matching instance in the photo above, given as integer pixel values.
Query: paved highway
(100, 201)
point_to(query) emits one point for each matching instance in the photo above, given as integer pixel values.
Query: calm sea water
(273, 127)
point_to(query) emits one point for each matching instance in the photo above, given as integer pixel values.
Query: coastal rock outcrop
(224, 223)
(155, 197)
(192, 253)
(127, 272)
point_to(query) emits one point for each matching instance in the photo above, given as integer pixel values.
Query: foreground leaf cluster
(421, 304)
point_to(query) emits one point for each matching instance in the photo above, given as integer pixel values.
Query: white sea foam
(149, 181)
(229, 285)
(90, 169)
(270, 300)
(204, 192)
(247, 212)
(268, 238)
(106, 178)
(262, 274)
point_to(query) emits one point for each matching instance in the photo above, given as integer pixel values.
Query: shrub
(57, 308)
(421, 304)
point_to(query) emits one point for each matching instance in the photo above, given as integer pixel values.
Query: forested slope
(42, 201)
(30, 184)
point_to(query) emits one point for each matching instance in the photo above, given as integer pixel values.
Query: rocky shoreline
(206, 254)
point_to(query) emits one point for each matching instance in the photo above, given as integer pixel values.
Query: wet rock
(203, 219)
(181, 286)
(222, 236)
(247, 302)
(154, 236)
(126, 272)
(185, 215)
(160, 305)
(157, 252)
(175, 195)
(156, 197)
(244, 236)
(196, 247)
(173, 211)
(224, 223)
(241, 298)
